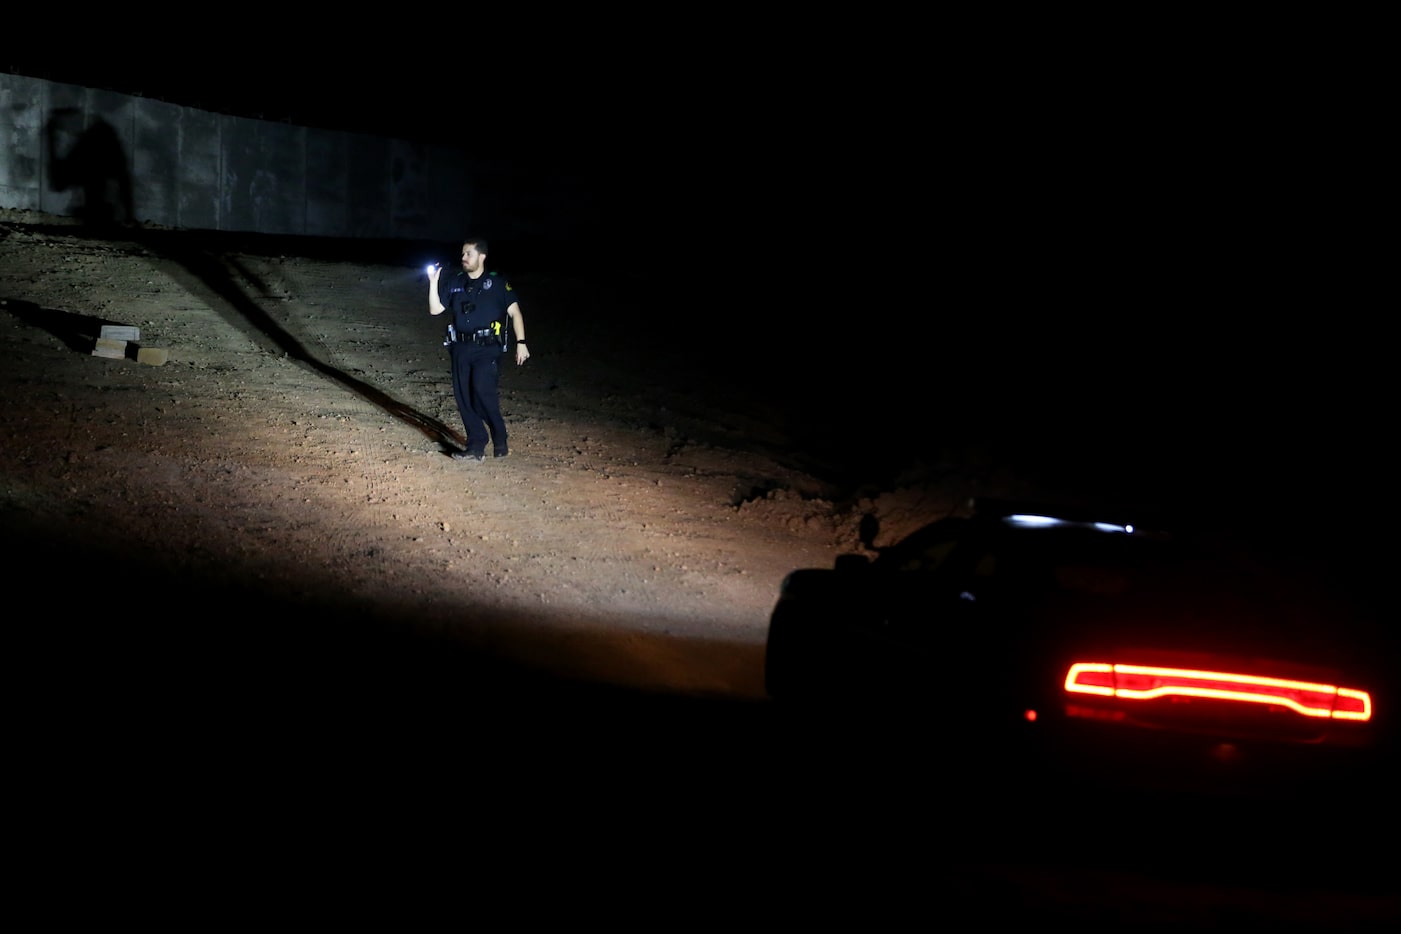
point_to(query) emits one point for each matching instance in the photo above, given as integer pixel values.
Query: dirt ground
(257, 558)
(297, 437)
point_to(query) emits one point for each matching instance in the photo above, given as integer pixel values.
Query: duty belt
(483, 336)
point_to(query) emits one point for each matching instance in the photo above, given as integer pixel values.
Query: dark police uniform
(480, 331)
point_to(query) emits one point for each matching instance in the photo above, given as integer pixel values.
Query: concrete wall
(105, 156)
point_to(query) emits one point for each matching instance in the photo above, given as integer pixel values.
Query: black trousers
(476, 378)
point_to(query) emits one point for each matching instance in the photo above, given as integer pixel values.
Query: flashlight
(429, 269)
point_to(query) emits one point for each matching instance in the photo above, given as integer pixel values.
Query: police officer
(484, 314)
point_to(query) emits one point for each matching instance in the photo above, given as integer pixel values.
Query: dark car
(1039, 641)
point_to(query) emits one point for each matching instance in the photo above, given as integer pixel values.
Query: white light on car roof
(1034, 520)
(1031, 521)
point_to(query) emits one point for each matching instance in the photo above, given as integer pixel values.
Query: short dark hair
(478, 242)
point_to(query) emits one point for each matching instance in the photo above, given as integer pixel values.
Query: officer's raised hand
(435, 304)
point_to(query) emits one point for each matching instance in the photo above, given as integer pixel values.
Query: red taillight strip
(1144, 682)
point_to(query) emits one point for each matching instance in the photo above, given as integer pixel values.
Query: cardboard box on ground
(117, 341)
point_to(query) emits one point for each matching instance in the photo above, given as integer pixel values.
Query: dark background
(1139, 258)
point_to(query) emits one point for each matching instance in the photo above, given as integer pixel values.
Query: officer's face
(472, 258)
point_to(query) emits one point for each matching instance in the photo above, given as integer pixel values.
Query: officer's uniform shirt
(480, 304)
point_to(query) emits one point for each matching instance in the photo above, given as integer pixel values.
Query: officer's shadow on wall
(92, 160)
